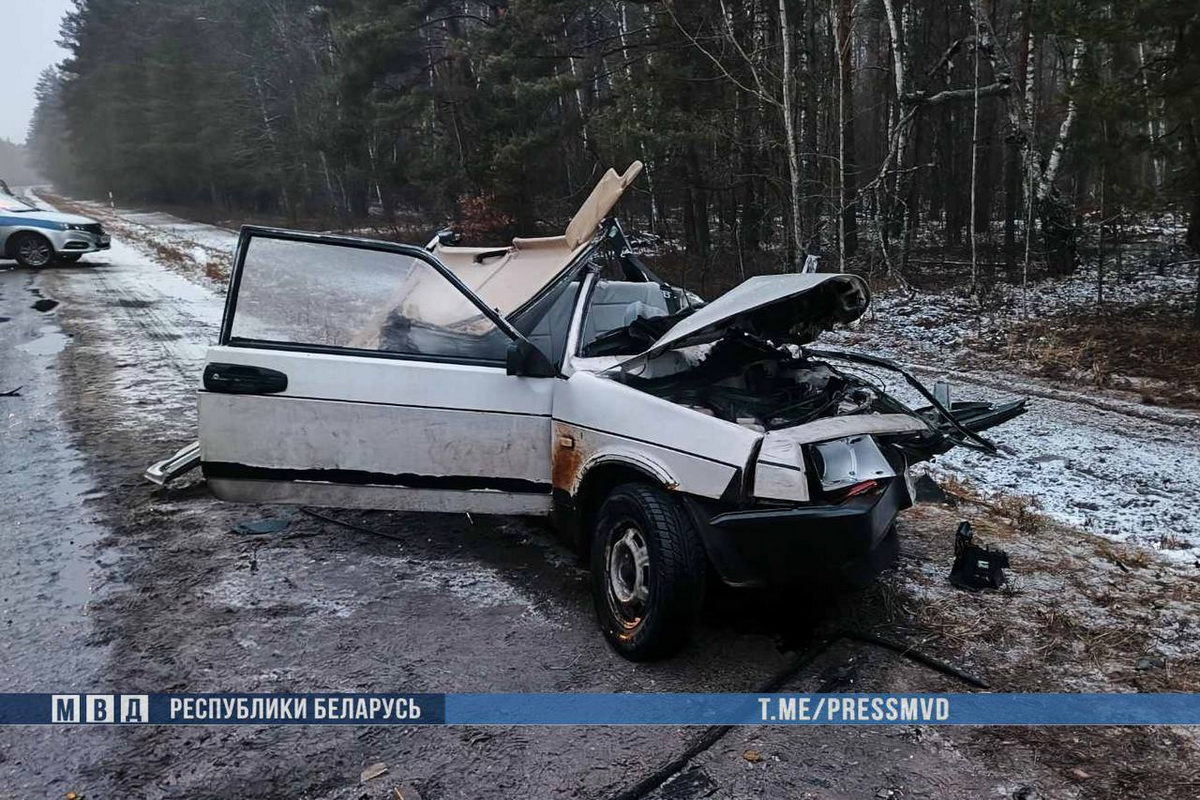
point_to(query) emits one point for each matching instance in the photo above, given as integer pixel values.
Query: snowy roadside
(1094, 459)
(200, 252)
(948, 328)
(1107, 466)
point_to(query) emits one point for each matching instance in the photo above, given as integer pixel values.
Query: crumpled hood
(791, 307)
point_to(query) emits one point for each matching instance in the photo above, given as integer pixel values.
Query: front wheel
(648, 571)
(32, 250)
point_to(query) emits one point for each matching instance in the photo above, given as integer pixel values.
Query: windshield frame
(19, 206)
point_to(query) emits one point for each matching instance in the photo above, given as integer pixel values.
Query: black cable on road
(351, 525)
(714, 733)
(909, 652)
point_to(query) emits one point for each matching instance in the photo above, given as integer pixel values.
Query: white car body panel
(345, 424)
(610, 422)
(827, 428)
(779, 473)
(376, 439)
(365, 379)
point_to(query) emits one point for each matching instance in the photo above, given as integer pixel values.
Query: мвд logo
(100, 708)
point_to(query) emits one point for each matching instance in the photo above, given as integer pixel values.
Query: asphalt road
(112, 584)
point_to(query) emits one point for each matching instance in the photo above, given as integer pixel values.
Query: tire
(32, 250)
(649, 612)
(68, 258)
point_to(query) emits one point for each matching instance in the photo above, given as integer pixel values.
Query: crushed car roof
(506, 277)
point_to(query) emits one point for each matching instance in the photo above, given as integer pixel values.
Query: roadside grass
(1092, 605)
(1079, 613)
(1151, 351)
(188, 262)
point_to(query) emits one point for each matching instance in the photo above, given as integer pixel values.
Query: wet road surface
(52, 572)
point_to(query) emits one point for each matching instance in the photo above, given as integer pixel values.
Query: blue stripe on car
(27, 222)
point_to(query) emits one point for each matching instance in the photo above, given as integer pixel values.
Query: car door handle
(243, 379)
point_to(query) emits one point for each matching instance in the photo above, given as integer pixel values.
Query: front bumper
(71, 241)
(777, 546)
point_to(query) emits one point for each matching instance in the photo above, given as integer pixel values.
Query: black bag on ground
(976, 567)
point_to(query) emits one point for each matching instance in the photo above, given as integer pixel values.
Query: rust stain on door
(567, 457)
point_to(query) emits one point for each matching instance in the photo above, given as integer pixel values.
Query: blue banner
(599, 709)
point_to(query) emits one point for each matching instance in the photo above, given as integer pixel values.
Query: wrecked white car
(669, 439)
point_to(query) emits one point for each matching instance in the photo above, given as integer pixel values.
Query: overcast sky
(30, 33)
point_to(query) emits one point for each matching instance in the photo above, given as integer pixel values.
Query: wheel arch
(14, 236)
(598, 478)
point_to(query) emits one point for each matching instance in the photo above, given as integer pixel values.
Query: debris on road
(1150, 662)
(753, 756)
(12, 392)
(930, 491)
(374, 771)
(261, 527)
(167, 470)
(976, 567)
(405, 792)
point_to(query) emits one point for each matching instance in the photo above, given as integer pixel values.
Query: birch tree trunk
(789, 127)
(841, 12)
(898, 131)
(1058, 226)
(1064, 130)
(1053, 213)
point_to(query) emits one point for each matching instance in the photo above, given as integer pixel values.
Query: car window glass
(547, 322)
(333, 295)
(13, 204)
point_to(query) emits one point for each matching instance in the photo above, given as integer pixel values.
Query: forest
(993, 138)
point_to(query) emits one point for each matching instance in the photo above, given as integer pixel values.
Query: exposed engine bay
(747, 358)
(746, 379)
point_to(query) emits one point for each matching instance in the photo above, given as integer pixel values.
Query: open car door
(356, 373)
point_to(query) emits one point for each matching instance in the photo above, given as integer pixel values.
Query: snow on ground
(945, 327)
(1088, 458)
(202, 252)
(1105, 470)
(1118, 469)
(159, 325)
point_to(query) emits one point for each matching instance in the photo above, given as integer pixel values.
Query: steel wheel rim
(627, 574)
(35, 252)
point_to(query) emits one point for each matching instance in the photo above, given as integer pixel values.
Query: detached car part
(167, 470)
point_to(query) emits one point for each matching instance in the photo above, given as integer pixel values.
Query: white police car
(35, 237)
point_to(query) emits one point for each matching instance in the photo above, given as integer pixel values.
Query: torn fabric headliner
(507, 277)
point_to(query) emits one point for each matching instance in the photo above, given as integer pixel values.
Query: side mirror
(527, 361)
